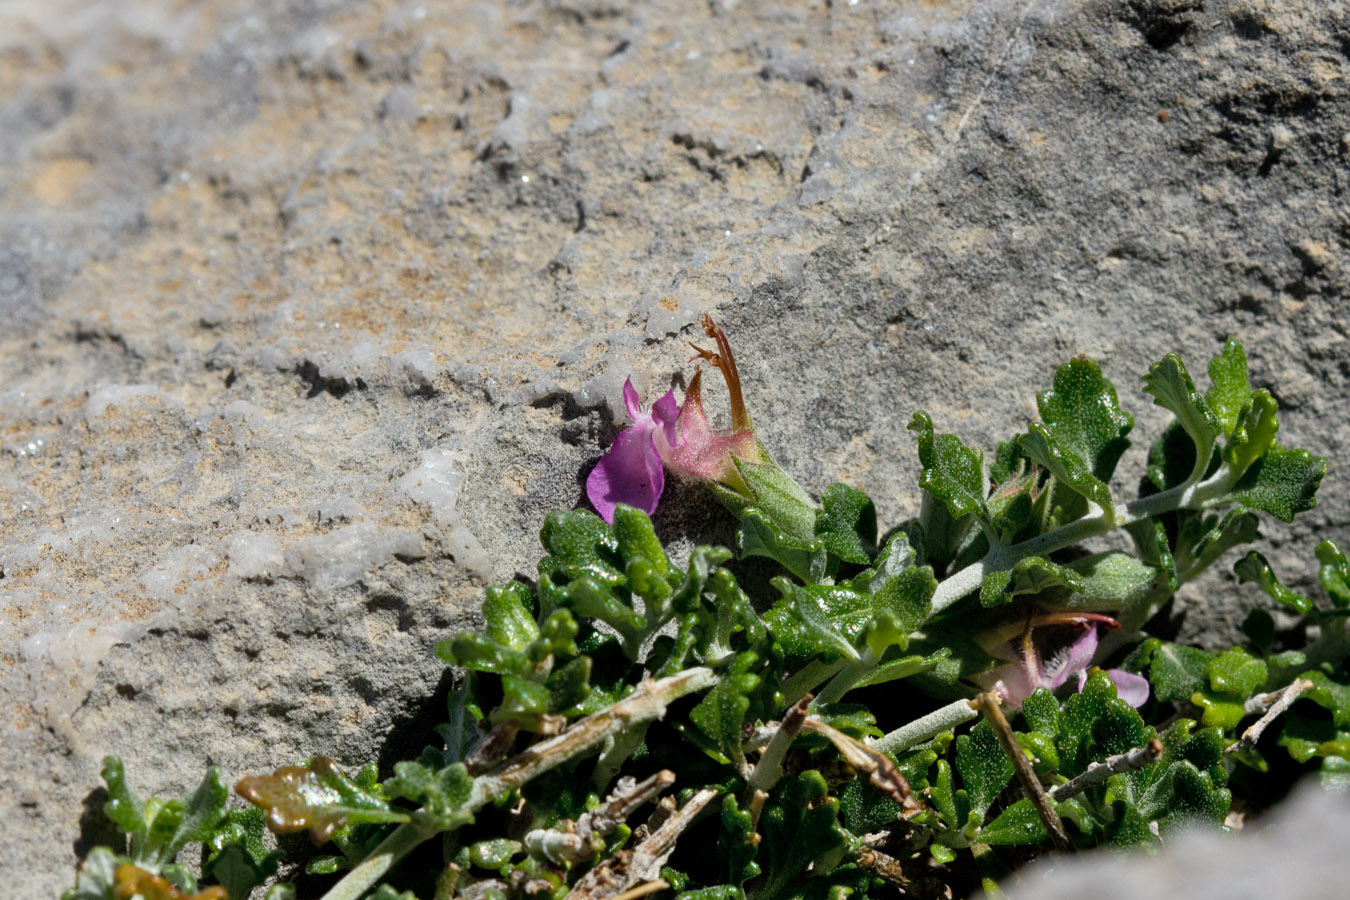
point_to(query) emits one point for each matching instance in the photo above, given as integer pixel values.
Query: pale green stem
(1184, 496)
(930, 726)
(808, 678)
(847, 677)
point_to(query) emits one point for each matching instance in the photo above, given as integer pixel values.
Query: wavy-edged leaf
(1069, 468)
(779, 498)
(952, 472)
(1334, 573)
(1282, 483)
(507, 616)
(983, 765)
(1229, 387)
(760, 536)
(1254, 432)
(799, 825)
(1237, 526)
(1256, 569)
(847, 524)
(1029, 576)
(721, 713)
(236, 856)
(1083, 415)
(1018, 825)
(443, 793)
(317, 797)
(1171, 387)
(1175, 671)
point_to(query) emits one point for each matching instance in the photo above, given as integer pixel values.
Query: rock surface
(310, 311)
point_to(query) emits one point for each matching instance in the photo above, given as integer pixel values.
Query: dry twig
(1031, 785)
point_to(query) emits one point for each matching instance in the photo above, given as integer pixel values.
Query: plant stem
(1098, 772)
(939, 720)
(847, 677)
(648, 702)
(401, 841)
(770, 766)
(808, 678)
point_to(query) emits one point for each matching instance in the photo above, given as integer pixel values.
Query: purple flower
(1032, 668)
(680, 437)
(630, 472)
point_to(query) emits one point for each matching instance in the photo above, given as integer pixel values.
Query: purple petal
(666, 412)
(1131, 688)
(631, 401)
(1012, 682)
(1074, 658)
(630, 472)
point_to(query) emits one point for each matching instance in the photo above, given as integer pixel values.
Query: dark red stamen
(726, 364)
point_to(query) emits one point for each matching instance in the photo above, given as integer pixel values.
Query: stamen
(726, 364)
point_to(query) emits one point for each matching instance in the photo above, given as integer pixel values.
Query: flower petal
(666, 413)
(1011, 681)
(1131, 688)
(631, 401)
(630, 472)
(1074, 658)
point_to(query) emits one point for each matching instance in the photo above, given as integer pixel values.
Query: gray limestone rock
(310, 311)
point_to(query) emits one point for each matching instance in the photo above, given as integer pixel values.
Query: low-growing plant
(633, 724)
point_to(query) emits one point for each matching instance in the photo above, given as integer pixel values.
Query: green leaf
(1331, 695)
(1306, 738)
(236, 856)
(1237, 526)
(1282, 483)
(904, 667)
(778, 498)
(1175, 671)
(124, 808)
(952, 472)
(1029, 576)
(637, 539)
(814, 614)
(737, 842)
(1115, 581)
(1233, 676)
(97, 876)
(799, 825)
(506, 611)
(1041, 711)
(1171, 388)
(759, 536)
(203, 813)
(1084, 418)
(442, 793)
(480, 653)
(1018, 825)
(1254, 568)
(569, 686)
(1254, 433)
(1096, 724)
(460, 731)
(1334, 573)
(983, 765)
(1230, 390)
(1237, 672)
(317, 797)
(523, 702)
(1069, 469)
(721, 713)
(847, 524)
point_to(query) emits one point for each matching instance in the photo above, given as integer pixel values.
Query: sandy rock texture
(311, 309)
